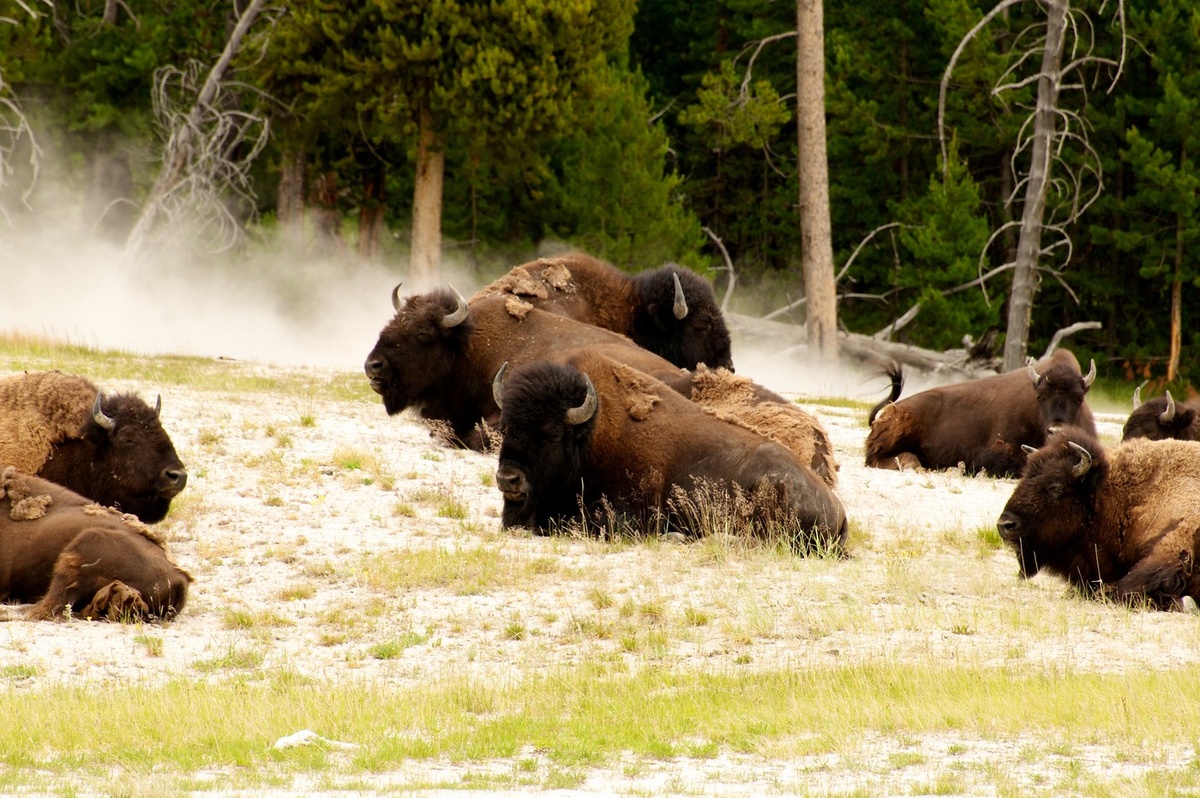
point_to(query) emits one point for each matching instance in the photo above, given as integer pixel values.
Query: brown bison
(1125, 523)
(69, 554)
(981, 424)
(594, 439)
(110, 448)
(439, 354)
(1158, 419)
(670, 310)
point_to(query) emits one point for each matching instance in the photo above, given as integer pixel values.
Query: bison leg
(116, 601)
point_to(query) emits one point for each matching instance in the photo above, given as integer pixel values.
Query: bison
(110, 448)
(669, 310)
(1123, 523)
(68, 554)
(981, 424)
(438, 355)
(1162, 418)
(593, 438)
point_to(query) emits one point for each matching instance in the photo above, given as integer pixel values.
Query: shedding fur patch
(517, 308)
(24, 504)
(38, 410)
(130, 520)
(639, 391)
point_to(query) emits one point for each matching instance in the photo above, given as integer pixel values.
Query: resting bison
(739, 399)
(670, 310)
(1162, 418)
(438, 355)
(1126, 523)
(597, 439)
(64, 552)
(982, 424)
(110, 448)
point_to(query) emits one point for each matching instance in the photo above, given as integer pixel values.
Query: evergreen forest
(647, 131)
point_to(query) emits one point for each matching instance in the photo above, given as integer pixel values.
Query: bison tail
(896, 374)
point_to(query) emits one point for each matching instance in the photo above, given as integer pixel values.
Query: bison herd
(611, 402)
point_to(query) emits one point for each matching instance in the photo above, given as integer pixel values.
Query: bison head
(124, 459)
(1061, 390)
(1054, 502)
(547, 418)
(1159, 419)
(677, 318)
(419, 348)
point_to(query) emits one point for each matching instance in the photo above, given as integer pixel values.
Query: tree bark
(1176, 304)
(327, 217)
(815, 230)
(290, 202)
(370, 213)
(1029, 244)
(427, 204)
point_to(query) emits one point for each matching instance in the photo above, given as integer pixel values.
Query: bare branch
(728, 267)
(910, 314)
(744, 90)
(1078, 326)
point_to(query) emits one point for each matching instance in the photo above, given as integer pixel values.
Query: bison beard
(643, 457)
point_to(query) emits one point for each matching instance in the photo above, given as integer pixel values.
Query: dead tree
(209, 151)
(1042, 139)
(14, 127)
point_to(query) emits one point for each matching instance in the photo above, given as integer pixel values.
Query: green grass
(590, 715)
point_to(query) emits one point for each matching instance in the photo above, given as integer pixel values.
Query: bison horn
(1090, 377)
(396, 296)
(1033, 375)
(680, 308)
(99, 417)
(578, 415)
(158, 406)
(1137, 395)
(459, 314)
(1085, 460)
(498, 384)
(1025, 447)
(1168, 415)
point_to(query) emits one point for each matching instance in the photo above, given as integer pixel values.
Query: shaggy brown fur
(649, 455)
(740, 399)
(66, 553)
(40, 410)
(1126, 522)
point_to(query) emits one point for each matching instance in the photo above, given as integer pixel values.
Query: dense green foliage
(663, 132)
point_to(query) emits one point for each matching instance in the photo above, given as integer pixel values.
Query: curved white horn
(99, 417)
(396, 296)
(680, 307)
(459, 314)
(1090, 376)
(1085, 460)
(1137, 395)
(498, 384)
(1168, 415)
(578, 415)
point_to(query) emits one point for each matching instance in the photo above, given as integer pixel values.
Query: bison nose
(1008, 528)
(173, 481)
(510, 481)
(374, 367)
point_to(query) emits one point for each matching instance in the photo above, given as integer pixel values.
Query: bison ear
(99, 417)
(1085, 460)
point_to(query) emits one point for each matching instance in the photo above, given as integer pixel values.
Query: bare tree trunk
(1029, 244)
(1176, 304)
(327, 217)
(815, 230)
(370, 214)
(290, 202)
(427, 204)
(179, 145)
